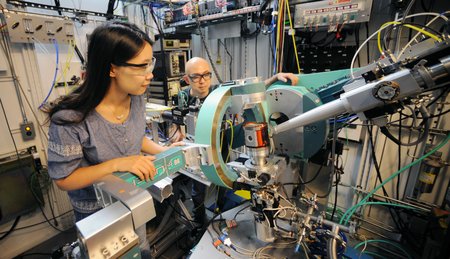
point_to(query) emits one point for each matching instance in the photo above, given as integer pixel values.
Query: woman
(99, 128)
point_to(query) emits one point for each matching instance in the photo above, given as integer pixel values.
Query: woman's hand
(177, 144)
(139, 165)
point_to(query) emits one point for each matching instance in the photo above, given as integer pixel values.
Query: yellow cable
(231, 140)
(293, 37)
(66, 67)
(278, 35)
(159, 109)
(72, 50)
(282, 34)
(385, 25)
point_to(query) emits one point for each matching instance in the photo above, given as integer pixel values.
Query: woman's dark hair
(111, 43)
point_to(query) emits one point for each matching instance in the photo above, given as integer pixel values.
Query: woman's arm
(150, 147)
(141, 166)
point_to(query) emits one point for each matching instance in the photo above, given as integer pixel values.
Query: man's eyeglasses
(141, 69)
(197, 77)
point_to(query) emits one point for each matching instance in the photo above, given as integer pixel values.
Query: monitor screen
(16, 193)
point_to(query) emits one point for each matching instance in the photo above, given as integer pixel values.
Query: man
(198, 76)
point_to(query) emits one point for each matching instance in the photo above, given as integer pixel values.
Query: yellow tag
(243, 193)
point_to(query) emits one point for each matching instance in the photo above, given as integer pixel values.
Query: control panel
(331, 13)
(26, 27)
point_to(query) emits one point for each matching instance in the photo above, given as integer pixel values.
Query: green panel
(316, 80)
(314, 134)
(209, 118)
(166, 163)
(133, 253)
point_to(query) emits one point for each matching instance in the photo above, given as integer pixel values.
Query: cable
(256, 55)
(385, 25)
(231, 140)
(388, 32)
(18, 157)
(231, 57)
(421, 138)
(399, 159)
(383, 241)
(306, 182)
(293, 37)
(335, 194)
(239, 211)
(376, 164)
(352, 209)
(179, 213)
(204, 43)
(173, 135)
(16, 221)
(380, 29)
(417, 34)
(55, 43)
(399, 32)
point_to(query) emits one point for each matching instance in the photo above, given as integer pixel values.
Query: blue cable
(55, 43)
(343, 119)
(274, 36)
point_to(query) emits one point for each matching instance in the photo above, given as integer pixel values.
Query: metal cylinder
(161, 190)
(429, 170)
(258, 155)
(257, 142)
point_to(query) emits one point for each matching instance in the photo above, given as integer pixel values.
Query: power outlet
(27, 131)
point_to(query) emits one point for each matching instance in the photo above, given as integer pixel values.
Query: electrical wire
(376, 164)
(385, 25)
(55, 43)
(231, 140)
(399, 32)
(231, 57)
(293, 37)
(380, 29)
(417, 34)
(399, 159)
(7, 52)
(383, 241)
(389, 30)
(421, 138)
(11, 229)
(19, 159)
(171, 137)
(202, 37)
(350, 211)
(179, 213)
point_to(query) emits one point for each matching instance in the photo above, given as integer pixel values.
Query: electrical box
(174, 62)
(174, 86)
(26, 27)
(27, 131)
(331, 14)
